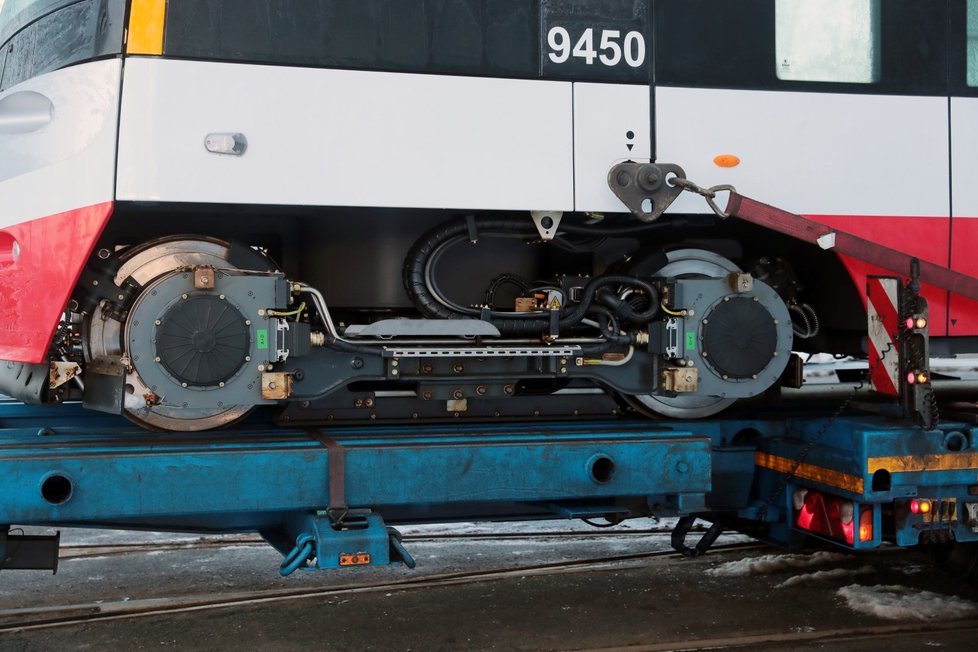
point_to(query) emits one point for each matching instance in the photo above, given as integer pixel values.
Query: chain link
(707, 193)
(810, 446)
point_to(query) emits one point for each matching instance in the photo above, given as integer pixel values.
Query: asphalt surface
(786, 602)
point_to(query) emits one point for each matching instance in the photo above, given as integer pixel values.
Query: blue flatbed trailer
(328, 497)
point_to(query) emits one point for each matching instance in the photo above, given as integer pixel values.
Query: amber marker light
(866, 525)
(726, 160)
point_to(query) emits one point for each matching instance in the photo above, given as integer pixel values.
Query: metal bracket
(683, 526)
(61, 372)
(29, 551)
(361, 540)
(646, 188)
(547, 223)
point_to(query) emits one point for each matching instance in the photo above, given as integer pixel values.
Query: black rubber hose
(417, 258)
(424, 299)
(673, 223)
(625, 310)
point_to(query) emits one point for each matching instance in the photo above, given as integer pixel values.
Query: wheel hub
(203, 341)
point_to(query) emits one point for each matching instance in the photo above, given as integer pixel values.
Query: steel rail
(82, 551)
(29, 619)
(778, 640)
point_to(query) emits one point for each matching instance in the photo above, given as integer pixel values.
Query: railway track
(840, 638)
(82, 551)
(19, 620)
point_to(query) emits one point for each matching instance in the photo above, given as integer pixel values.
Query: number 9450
(611, 48)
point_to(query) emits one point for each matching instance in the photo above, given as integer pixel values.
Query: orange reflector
(924, 506)
(921, 322)
(727, 160)
(866, 525)
(146, 20)
(355, 559)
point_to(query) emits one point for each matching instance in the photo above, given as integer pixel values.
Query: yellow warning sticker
(554, 304)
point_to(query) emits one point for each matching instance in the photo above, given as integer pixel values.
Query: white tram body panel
(58, 141)
(818, 154)
(344, 138)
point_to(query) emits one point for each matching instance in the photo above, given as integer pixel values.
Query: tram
(426, 210)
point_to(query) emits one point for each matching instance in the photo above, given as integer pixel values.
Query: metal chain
(707, 193)
(810, 446)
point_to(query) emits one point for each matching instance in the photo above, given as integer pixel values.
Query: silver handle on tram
(24, 112)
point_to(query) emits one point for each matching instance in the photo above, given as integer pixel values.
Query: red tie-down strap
(848, 244)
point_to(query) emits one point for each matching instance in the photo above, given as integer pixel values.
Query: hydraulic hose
(418, 278)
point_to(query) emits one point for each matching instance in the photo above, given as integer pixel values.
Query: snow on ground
(822, 367)
(93, 537)
(825, 575)
(894, 602)
(776, 564)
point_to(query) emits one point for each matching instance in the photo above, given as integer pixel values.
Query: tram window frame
(736, 48)
(832, 47)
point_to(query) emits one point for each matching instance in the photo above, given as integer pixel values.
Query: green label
(262, 338)
(690, 341)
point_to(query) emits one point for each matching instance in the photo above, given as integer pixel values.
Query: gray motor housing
(735, 331)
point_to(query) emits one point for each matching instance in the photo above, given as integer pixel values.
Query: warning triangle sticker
(554, 304)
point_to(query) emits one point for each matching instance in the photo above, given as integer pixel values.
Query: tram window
(39, 36)
(828, 40)
(972, 51)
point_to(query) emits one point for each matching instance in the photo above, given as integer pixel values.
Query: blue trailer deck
(325, 497)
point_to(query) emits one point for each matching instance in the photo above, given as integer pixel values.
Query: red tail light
(830, 516)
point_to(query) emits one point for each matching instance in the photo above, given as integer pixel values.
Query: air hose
(421, 286)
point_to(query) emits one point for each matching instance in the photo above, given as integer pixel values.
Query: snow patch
(894, 602)
(820, 576)
(84, 558)
(775, 564)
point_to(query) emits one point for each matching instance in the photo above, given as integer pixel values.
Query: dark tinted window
(710, 43)
(731, 44)
(493, 37)
(595, 40)
(39, 36)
